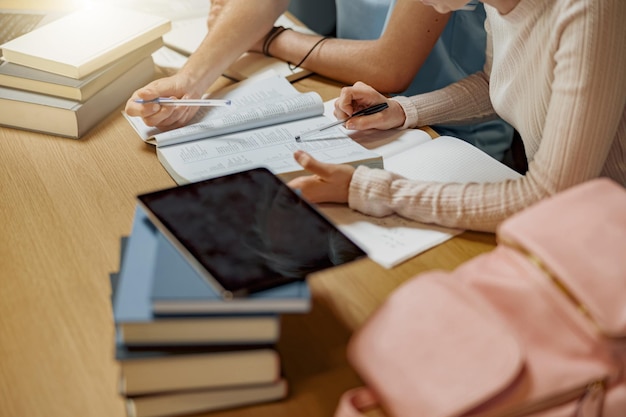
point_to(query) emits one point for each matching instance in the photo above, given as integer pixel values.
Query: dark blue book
(179, 289)
(132, 308)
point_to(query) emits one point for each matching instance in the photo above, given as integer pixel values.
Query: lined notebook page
(392, 240)
(449, 159)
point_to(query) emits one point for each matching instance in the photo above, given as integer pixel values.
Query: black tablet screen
(248, 230)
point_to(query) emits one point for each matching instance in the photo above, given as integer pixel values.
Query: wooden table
(64, 206)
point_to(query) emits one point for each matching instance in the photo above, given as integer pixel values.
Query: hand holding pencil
(168, 103)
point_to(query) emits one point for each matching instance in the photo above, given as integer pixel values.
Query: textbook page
(256, 103)
(272, 147)
(449, 159)
(385, 142)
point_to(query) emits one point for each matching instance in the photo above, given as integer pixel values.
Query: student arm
(239, 24)
(388, 63)
(580, 135)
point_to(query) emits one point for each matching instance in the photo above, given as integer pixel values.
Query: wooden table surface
(64, 206)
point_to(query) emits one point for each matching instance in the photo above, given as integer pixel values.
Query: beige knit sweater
(556, 71)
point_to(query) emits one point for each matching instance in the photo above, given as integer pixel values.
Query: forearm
(347, 61)
(239, 25)
(472, 206)
(466, 101)
(388, 63)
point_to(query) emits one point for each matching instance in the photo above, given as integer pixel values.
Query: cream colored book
(63, 117)
(203, 401)
(85, 41)
(38, 81)
(159, 370)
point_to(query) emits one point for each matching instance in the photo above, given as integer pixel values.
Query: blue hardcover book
(138, 326)
(179, 289)
(131, 300)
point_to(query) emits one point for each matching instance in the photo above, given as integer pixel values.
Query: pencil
(165, 101)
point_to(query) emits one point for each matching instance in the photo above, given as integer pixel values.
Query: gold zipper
(580, 306)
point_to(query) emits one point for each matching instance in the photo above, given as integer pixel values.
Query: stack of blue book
(183, 349)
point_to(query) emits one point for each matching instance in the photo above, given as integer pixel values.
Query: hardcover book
(132, 308)
(179, 289)
(175, 369)
(69, 118)
(43, 82)
(85, 41)
(202, 401)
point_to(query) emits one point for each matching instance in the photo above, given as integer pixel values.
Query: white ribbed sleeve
(556, 71)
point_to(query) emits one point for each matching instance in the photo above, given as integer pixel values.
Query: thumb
(311, 164)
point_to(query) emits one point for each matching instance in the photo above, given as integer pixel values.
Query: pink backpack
(537, 327)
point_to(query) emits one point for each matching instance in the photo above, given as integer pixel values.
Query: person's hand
(329, 183)
(361, 96)
(163, 117)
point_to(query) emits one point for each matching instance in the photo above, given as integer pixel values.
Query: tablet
(247, 231)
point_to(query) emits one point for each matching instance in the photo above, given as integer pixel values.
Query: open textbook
(258, 129)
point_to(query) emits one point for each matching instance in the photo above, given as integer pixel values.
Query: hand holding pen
(364, 112)
(360, 96)
(149, 102)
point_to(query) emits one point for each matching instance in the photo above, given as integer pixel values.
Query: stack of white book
(65, 77)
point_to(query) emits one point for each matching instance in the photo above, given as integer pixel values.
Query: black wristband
(295, 67)
(273, 34)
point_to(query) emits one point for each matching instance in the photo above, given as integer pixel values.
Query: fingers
(355, 98)
(374, 121)
(329, 182)
(323, 170)
(142, 110)
(169, 117)
(361, 96)
(154, 114)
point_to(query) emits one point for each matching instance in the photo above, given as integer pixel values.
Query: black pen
(370, 110)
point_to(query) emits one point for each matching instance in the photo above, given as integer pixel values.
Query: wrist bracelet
(295, 67)
(273, 34)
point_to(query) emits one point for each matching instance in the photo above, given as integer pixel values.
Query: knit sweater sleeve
(570, 115)
(465, 101)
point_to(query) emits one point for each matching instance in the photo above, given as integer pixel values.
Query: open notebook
(412, 153)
